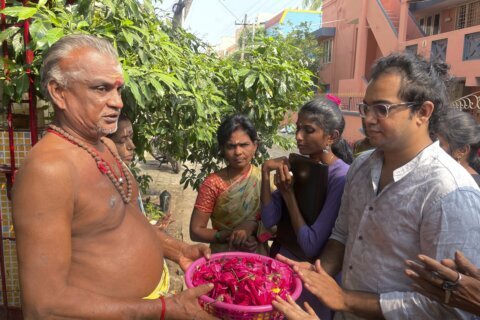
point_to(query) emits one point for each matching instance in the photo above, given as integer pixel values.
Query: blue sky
(212, 19)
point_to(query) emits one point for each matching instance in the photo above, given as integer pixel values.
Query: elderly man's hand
(191, 253)
(185, 304)
(293, 311)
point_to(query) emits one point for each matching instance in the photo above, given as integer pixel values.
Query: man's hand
(185, 304)
(292, 263)
(324, 287)
(190, 253)
(292, 311)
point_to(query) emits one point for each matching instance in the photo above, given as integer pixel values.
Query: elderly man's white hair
(51, 62)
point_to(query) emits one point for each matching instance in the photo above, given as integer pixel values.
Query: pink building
(355, 33)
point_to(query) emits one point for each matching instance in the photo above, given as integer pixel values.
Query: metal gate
(14, 145)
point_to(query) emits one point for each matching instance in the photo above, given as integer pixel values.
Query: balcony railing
(469, 102)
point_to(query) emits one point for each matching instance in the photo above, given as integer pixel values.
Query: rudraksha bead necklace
(102, 165)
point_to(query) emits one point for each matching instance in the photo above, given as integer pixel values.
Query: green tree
(309, 53)
(175, 88)
(312, 4)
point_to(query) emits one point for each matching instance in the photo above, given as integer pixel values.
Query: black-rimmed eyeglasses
(381, 110)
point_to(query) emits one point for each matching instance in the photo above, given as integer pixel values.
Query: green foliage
(175, 87)
(312, 4)
(143, 180)
(309, 53)
(152, 211)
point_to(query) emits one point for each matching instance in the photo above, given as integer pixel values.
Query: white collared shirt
(432, 207)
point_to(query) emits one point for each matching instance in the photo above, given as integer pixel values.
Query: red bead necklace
(103, 166)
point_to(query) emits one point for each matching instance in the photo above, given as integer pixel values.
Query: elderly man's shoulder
(50, 158)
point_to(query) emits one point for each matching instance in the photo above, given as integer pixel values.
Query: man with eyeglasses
(402, 199)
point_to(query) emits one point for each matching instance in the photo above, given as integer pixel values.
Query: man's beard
(105, 132)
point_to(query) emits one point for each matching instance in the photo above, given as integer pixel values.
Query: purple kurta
(312, 239)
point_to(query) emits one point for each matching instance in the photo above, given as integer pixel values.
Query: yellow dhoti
(162, 287)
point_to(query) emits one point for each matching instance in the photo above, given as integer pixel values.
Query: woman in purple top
(320, 126)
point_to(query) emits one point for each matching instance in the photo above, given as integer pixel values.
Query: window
(413, 48)
(471, 46)
(439, 50)
(468, 15)
(327, 48)
(430, 25)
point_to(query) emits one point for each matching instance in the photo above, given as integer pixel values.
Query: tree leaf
(41, 3)
(127, 22)
(170, 81)
(250, 80)
(8, 33)
(82, 24)
(21, 86)
(53, 35)
(128, 37)
(38, 30)
(136, 92)
(21, 12)
(158, 87)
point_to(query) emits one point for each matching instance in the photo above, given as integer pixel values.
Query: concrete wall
(342, 15)
(459, 68)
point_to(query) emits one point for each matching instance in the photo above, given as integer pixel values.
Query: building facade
(355, 33)
(285, 21)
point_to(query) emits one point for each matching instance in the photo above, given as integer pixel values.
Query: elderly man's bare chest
(98, 204)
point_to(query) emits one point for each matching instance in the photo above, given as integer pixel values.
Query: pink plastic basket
(228, 311)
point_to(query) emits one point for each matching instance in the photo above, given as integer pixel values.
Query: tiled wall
(22, 144)
(22, 141)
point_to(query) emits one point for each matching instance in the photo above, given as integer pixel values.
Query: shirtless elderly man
(85, 250)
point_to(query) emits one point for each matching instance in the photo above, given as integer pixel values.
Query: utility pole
(180, 12)
(253, 33)
(244, 34)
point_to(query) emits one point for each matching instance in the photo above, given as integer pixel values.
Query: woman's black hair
(121, 118)
(459, 129)
(328, 116)
(231, 124)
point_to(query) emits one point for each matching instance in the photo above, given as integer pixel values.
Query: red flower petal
(246, 280)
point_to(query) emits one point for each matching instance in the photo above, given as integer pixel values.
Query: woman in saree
(230, 197)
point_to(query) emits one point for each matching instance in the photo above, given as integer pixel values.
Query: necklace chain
(329, 160)
(103, 166)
